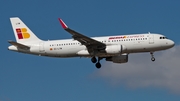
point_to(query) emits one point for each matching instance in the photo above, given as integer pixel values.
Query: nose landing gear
(152, 56)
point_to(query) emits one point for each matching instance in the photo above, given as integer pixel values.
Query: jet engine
(115, 49)
(118, 59)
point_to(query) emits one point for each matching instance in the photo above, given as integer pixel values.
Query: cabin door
(151, 39)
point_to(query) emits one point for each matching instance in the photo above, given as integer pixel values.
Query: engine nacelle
(118, 59)
(115, 49)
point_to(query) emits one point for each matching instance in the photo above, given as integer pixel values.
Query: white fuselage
(134, 43)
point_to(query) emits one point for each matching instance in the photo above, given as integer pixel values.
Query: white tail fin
(22, 33)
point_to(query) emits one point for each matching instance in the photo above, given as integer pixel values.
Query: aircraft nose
(171, 43)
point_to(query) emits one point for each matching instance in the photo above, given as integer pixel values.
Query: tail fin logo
(22, 33)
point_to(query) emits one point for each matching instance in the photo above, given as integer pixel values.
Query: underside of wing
(91, 44)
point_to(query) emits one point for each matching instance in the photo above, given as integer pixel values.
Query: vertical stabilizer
(22, 33)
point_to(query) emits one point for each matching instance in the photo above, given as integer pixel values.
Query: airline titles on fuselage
(123, 37)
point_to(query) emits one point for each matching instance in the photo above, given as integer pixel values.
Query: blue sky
(26, 77)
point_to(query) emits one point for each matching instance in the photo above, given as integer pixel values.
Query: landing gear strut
(94, 60)
(98, 64)
(152, 56)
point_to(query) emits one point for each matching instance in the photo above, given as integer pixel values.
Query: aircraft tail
(22, 33)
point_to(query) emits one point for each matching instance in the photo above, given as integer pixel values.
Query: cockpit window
(163, 37)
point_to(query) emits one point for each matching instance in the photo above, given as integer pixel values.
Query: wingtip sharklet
(62, 23)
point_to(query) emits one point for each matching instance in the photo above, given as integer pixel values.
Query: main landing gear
(94, 60)
(152, 56)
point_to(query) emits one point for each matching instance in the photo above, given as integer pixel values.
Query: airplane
(111, 48)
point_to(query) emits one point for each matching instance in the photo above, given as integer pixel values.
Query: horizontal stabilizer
(18, 45)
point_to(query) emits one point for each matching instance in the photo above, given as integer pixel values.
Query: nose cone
(171, 43)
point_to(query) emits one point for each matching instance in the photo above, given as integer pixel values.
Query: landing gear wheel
(93, 59)
(98, 65)
(152, 55)
(153, 59)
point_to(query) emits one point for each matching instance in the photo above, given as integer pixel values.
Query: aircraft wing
(91, 44)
